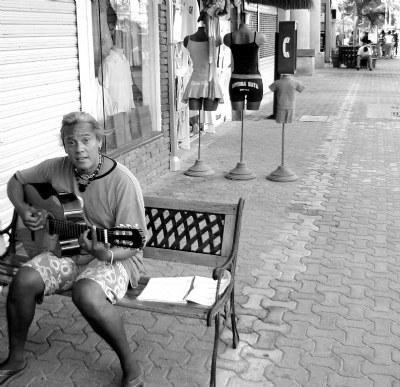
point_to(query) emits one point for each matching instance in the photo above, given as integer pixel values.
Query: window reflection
(124, 45)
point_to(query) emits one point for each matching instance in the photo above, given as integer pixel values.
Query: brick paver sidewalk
(317, 279)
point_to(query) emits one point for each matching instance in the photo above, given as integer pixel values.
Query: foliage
(371, 12)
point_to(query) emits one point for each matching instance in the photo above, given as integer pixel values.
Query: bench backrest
(192, 232)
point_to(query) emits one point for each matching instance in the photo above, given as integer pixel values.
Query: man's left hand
(99, 250)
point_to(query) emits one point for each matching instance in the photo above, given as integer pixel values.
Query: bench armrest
(218, 272)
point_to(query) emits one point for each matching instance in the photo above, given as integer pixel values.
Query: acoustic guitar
(64, 223)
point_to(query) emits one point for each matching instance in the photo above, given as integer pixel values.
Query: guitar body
(64, 223)
(63, 207)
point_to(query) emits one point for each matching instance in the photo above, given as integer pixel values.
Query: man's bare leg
(21, 305)
(106, 322)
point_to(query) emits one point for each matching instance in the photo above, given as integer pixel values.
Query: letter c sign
(286, 47)
(285, 53)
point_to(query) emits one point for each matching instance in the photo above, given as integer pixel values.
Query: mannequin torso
(246, 79)
(200, 36)
(243, 36)
(203, 89)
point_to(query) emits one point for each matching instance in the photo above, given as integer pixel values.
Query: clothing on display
(115, 76)
(245, 57)
(127, 37)
(185, 19)
(204, 81)
(252, 89)
(102, 41)
(285, 91)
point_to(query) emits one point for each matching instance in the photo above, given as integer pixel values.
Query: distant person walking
(395, 42)
(388, 39)
(381, 44)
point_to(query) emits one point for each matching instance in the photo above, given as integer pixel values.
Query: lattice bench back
(196, 233)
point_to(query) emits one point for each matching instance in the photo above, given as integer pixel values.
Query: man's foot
(370, 69)
(9, 370)
(137, 382)
(357, 68)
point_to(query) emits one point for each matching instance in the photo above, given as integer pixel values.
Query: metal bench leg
(215, 352)
(235, 333)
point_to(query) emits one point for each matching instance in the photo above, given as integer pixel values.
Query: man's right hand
(32, 218)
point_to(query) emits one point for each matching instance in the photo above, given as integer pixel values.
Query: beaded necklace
(89, 178)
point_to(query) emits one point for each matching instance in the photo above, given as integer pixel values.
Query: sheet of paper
(167, 289)
(203, 291)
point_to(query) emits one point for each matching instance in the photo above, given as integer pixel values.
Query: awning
(285, 4)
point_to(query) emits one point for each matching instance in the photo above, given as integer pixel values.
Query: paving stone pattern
(318, 274)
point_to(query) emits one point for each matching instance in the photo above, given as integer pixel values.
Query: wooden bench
(180, 232)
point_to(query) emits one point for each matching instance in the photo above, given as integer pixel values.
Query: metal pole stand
(282, 173)
(240, 172)
(199, 168)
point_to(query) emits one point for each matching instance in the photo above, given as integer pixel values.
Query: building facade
(115, 59)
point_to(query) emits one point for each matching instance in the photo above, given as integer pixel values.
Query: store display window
(126, 65)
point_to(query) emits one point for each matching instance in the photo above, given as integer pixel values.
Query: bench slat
(178, 256)
(186, 205)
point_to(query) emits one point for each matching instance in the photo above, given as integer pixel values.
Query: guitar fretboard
(74, 230)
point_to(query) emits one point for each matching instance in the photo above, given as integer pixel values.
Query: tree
(370, 12)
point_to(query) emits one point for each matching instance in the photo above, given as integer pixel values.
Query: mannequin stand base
(241, 172)
(199, 168)
(282, 174)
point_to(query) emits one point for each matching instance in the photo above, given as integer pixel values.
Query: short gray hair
(79, 117)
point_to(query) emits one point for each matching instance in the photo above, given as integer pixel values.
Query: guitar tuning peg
(128, 225)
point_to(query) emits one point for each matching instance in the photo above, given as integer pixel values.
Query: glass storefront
(126, 63)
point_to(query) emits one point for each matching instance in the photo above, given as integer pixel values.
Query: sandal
(6, 375)
(137, 382)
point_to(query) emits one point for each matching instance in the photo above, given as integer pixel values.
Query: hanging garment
(115, 76)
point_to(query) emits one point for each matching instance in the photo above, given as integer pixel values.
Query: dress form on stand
(285, 91)
(203, 92)
(199, 168)
(282, 173)
(245, 87)
(241, 172)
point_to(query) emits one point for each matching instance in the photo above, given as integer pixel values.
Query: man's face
(82, 147)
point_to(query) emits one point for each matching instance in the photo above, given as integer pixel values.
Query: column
(315, 33)
(305, 54)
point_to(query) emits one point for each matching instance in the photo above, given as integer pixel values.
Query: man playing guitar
(100, 267)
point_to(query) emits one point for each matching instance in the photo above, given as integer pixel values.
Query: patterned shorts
(60, 274)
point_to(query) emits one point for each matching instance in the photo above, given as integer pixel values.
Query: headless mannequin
(206, 104)
(245, 36)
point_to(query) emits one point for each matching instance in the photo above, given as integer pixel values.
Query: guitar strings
(68, 227)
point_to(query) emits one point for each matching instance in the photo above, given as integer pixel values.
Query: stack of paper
(180, 290)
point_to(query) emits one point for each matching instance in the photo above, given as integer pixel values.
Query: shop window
(125, 47)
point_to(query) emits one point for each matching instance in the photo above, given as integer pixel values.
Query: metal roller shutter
(39, 83)
(265, 21)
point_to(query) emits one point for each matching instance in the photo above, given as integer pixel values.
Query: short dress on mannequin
(203, 90)
(245, 82)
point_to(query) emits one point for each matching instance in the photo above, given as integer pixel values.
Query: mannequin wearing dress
(203, 90)
(245, 82)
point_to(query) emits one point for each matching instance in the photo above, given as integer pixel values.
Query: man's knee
(87, 294)
(27, 282)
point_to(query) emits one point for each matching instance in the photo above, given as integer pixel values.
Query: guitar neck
(73, 230)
